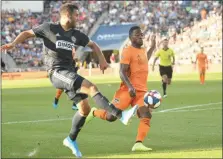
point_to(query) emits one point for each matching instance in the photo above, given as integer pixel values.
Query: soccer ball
(152, 98)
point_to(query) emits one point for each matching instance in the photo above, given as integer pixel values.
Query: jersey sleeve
(84, 39)
(125, 57)
(42, 30)
(157, 54)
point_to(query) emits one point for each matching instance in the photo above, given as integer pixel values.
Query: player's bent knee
(165, 79)
(93, 89)
(84, 107)
(88, 88)
(143, 112)
(110, 118)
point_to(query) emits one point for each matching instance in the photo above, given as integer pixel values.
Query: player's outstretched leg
(56, 99)
(77, 123)
(143, 129)
(99, 113)
(90, 89)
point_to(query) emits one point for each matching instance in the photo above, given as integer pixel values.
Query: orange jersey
(201, 58)
(138, 72)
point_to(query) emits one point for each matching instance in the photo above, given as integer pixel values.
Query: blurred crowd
(189, 24)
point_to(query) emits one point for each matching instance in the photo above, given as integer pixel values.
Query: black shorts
(166, 70)
(70, 82)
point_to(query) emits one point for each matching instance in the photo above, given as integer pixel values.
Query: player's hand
(132, 91)
(7, 47)
(103, 65)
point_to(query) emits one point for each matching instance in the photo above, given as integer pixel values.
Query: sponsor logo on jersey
(61, 44)
(73, 39)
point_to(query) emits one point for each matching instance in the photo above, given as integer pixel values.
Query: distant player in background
(166, 55)
(202, 65)
(134, 73)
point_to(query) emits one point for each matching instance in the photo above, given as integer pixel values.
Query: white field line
(190, 110)
(36, 121)
(190, 106)
(32, 153)
(162, 111)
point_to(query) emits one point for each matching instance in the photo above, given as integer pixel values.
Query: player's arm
(39, 31)
(153, 46)
(95, 48)
(123, 72)
(19, 39)
(85, 41)
(157, 55)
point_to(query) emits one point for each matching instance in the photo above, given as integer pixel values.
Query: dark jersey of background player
(58, 44)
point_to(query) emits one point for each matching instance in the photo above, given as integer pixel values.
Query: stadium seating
(166, 18)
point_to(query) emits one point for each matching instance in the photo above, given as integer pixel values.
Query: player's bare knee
(93, 89)
(144, 112)
(88, 88)
(165, 79)
(110, 118)
(84, 107)
(85, 111)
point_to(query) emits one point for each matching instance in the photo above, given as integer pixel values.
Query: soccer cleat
(140, 147)
(55, 103)
(128, 114)
(165, 95)
(74, 107)
(90, 115)
(73, 146)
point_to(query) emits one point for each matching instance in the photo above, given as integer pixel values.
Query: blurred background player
(133, 73)
(202, 64)
(59, 40)
(57, 97)
(165, 55)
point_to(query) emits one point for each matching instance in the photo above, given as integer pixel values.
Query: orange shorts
(122, 99)
(202, 69)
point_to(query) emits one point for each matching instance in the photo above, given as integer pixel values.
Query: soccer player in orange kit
(202, 64)
(133, 73)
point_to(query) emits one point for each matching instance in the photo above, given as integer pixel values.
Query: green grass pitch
(32, 128)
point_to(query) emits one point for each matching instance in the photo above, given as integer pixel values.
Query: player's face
(74, 18)
(137, 37)
(165, 43)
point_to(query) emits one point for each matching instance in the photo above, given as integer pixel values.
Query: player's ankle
(138, 141)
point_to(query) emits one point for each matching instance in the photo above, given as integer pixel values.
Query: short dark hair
(68, 7)
(132, 29)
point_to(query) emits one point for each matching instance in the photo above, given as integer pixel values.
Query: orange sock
(100, 114)
(200, 78)
(58, 93)
(143, 129)
(203, 78)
